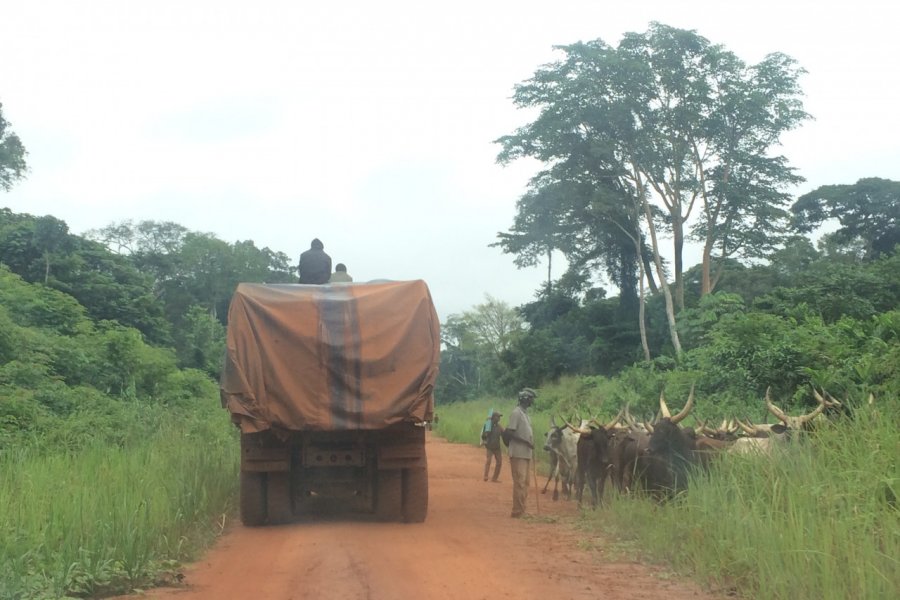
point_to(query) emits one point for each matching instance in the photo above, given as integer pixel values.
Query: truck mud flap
(263, 451)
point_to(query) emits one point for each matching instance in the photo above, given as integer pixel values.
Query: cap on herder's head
(496, 414)
(527, 393)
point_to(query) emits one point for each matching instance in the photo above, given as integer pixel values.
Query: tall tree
(678, 123)
(868, 212)
(12, 155)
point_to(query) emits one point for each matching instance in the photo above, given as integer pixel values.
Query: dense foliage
(12, 155)
(108, 399)
(828, 321)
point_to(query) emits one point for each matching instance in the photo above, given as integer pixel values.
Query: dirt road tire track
(468, 548)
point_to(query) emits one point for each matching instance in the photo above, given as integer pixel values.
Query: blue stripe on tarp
(341, 336)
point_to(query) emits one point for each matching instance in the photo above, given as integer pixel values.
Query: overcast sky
(370, 125)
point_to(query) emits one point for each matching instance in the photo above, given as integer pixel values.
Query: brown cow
(627, 444)
(670, 452)
(594, 458)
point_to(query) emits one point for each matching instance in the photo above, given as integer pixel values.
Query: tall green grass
(113, 517)
(820, 519)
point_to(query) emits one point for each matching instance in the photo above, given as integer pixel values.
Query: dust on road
(468, 548)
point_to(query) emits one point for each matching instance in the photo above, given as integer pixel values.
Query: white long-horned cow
(763, 437)
(562, 444)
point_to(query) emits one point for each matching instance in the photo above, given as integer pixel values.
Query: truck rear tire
(278, 497)
(253, 498)
(415, 495)
(389, 495)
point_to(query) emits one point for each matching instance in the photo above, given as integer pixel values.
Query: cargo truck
(331, 387)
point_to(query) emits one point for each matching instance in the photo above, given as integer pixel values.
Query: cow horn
(553, 421)
(700, 424)
(774, 409)
(648, 426)
(578, 429)
(831, 401)
(748, 427)
(628, 418)
(687, 407)
(817, 411)
(662, 405)
(615, 420)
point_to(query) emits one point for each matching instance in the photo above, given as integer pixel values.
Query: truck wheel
(415, 495)
(389, 495)
(253, 499)
(278, 498)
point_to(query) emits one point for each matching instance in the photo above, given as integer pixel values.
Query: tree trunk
(706, 281)
(648, 269)
(678, 235)
(638, 241)
(642, 325)
(667, 293)
(549, 267)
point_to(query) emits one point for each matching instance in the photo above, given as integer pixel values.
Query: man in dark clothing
(490, 439)
(315, 265)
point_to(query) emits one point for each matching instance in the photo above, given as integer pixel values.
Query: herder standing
(521, 449)
(490, 439)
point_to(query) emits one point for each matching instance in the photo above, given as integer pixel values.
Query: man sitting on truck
(340, 274)
(315, 265)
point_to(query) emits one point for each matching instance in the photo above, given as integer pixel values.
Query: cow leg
(579, 485)
(554, 468)
(601, 485)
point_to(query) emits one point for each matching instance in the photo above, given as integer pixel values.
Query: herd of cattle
(657, 455)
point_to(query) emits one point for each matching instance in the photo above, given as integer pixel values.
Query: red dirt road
(468, 548)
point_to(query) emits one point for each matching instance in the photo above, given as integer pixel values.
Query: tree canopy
(868, 212)
(12, 155)
(666, 132)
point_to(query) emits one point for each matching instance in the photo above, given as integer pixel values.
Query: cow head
(726, 431)
(554, 436)
(795, 423)
(788, 423)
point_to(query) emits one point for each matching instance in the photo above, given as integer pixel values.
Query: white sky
(370, 124)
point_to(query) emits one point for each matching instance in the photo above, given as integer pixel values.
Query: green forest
(111, 341)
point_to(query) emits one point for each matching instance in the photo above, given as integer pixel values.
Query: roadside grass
(820, 519)
(110, 518)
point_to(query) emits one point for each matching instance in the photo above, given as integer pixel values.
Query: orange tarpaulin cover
(331, 357)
